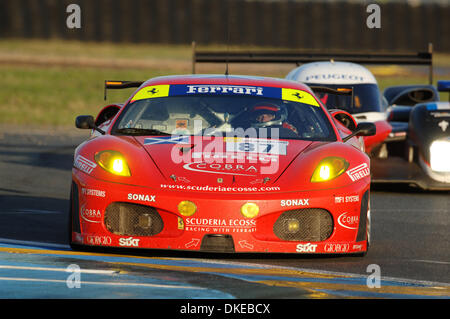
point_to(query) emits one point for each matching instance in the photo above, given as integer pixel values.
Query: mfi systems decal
(346, 199)
(84, 165)
(93, 192)
(359, 172)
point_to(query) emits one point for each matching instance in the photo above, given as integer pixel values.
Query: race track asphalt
(410, 244)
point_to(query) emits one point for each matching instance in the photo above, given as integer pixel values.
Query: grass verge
(49, 83)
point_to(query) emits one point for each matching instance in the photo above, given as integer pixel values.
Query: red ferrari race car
(218, 163)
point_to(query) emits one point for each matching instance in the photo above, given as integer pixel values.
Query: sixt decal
(129, 242)
(358, 172)
(306, 248)
(84, 165)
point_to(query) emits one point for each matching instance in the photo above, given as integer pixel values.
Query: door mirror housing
(87, 122)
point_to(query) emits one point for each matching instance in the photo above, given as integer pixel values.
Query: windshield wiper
(139, 131)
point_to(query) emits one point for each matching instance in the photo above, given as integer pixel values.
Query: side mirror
(344, 118)
(363, 129)
(87, 122)
(84, 122)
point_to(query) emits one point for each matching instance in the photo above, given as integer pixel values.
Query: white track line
(33, 244)
(121, 284)
(432, 261)
(83, 271)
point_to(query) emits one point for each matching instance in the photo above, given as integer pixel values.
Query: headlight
(113, 162)
(329, 168)
(439, 156)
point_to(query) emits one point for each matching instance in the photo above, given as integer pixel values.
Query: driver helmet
(267, 114)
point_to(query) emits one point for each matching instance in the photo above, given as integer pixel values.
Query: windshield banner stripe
(223, 89)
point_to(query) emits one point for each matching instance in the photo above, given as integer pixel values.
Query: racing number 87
(249, 147)
(257, 147)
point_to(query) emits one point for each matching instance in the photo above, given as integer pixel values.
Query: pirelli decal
(359, 172)
(165, 90)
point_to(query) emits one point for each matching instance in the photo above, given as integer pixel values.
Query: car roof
(332, 72)
(227, 80)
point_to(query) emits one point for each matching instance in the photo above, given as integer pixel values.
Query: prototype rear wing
(337, 91)
(115, 85)
(299, 57)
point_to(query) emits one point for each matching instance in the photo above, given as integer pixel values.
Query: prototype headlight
(113, 162)
(439, 156)
(329, 168)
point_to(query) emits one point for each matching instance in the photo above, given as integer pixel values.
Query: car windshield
(367, 98)
(225, 115)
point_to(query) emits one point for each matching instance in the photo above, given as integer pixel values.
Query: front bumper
(117, 215)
